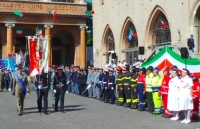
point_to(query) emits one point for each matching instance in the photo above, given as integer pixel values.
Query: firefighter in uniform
(134, 97)
(156, 82)
(164, 92)
(120, 89)
(141, 88)
(127, 89)
(196, 97)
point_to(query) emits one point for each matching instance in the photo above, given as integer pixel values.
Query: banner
(43, 53)
(34, 63)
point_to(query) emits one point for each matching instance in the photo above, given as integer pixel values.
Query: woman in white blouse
(185, 95)
(173, 94)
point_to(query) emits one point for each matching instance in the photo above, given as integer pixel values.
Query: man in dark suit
(190, 43)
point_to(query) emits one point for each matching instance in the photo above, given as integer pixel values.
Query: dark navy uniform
(111, 86)
(41, 83)
(83, 85)
(60, 87)
(105, 86)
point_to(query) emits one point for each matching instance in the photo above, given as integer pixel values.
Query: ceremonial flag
(130, 36)
(164, 26)
(54, 14)
(34, 63)
(19, 13)
(134, 34)
(43, 53)
(88, 13)
(19, 32)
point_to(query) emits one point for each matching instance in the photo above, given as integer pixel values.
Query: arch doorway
(63, 48)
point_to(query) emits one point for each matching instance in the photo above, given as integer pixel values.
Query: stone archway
(63, 48)
(129, 41)
(108, 44)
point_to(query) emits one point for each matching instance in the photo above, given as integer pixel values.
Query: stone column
(48, 33)
(82, 46)
(9, 44)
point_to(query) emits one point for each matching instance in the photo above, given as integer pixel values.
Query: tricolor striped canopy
(167, 57)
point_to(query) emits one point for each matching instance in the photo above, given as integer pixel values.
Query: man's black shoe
(62, 111)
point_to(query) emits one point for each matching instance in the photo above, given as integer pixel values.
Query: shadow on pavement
(76, 109)
(73, 106)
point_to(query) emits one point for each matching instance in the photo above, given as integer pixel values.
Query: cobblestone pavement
(81, 113)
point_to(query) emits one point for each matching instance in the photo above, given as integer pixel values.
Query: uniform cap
(174, 67)
(111, 70)
(156, 69)
(59, 68)
(186, 70)
(18, 68)
(150, 68)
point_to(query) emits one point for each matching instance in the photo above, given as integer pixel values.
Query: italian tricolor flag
(167, 57)
(19, 13)
(54, 14)
(39, 31)
(19, 32)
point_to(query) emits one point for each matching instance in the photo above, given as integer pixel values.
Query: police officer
(1, 79)
(83, 80)
(42, 88)
(100, 82)
(51, 85)
(111, 87)
(105, 86)
(97, 88)
(78, 79)
(59, 86)
(127, 88)
(67, 73)
(20, 88)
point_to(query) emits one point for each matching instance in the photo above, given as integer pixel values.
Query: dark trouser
(6, 85)
(127, 91)
(43, 94)
(150, 101)
(1, 86)
(61, 97)
(102, 95)
(111, 95)
(120, 92)
(81, 88)
(140, 89)
(106, 94)
(134, 98)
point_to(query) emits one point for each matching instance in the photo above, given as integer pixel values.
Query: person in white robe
(185, 95)
(173, 94)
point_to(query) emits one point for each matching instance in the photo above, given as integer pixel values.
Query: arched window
(161, 35)
(110, 42)
(134, 40)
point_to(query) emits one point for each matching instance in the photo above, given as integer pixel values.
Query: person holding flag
(20, 88)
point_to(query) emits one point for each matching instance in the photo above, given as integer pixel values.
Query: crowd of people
(126, 85)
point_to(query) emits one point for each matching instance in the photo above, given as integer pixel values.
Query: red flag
(34, 63)
(164, 26)
(134, 34)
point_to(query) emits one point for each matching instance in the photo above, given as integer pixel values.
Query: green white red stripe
(19, 32)
(167, 57)
(54, 14)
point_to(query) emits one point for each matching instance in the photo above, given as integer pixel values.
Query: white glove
(39, 87)
(112, 88)
(66, 92)
(105, 88)
(54, 91)
(68, 82)
(9, 90)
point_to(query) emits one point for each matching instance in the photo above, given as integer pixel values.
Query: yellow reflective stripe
(119, 84)
(121, 100)
(126, 83)
(135, 101)
(133, 85)
(128, 100)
